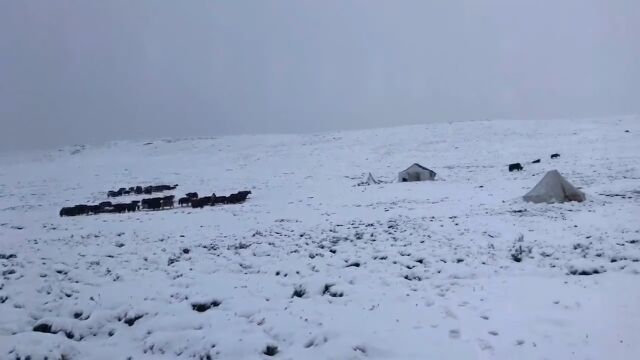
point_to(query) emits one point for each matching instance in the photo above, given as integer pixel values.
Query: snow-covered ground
(459, 268)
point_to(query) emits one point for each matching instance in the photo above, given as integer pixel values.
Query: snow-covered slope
(459, 268)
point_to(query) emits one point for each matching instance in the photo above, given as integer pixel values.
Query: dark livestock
(184, 201)
(220, 199)
(201, 202)
(192, 195)
(152, 204)
(537, 161)
(68, 211)
(120, 208)
(238, 197)
(167, 201)
(556, 155)
(514, 167)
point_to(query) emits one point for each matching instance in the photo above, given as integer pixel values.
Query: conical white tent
(553, 188)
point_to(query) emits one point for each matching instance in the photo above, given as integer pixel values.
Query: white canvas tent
(416, 172)
(553, 188)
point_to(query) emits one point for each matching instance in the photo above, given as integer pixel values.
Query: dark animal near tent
(537, 161)
(514, 167)
(553, 156)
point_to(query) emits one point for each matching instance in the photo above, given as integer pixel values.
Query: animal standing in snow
(554, 156)
(515, 166)
(192, 195)
(536, 161)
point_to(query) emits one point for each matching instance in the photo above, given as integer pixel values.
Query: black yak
(201, 202)
(192, 195)
(514, 167)
(556, 155)
(167, 201)
(536, 161)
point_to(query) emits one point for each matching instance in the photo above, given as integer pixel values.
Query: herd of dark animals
(138, 190)
(156, 203)
(518, 166)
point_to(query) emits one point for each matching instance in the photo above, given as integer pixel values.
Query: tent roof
(419, 166)
(553, 188)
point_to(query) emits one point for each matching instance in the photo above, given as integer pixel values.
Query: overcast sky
(88, 71)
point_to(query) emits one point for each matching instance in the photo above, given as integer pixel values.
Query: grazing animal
(94, 209)
(201, 202)
(68, 211)
(120, 208)
(147, 190)
(132, 206)
(221, 199)
(136, 203)
(167, 201)
(537, 161)
(515, 166)
(154, 203)
(244, 194)
(556, 155)
(111, 193)
(82, 209)
(184, 201)
(105, 204)
(138, 190)
(192, 195)
(238, 197)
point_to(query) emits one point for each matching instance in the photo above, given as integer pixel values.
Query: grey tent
(416, 172)
(553, 188)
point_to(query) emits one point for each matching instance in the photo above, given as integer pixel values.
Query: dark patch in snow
(130, 320)
(412, 277)
(204, 306)
(48, 329)
(299, 291)
(327, 291)
(585, 272)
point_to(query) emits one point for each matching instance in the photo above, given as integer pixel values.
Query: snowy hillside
(313, 266)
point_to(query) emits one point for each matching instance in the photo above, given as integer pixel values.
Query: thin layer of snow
(458, 268)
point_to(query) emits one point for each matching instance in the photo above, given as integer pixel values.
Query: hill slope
(320, 268)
